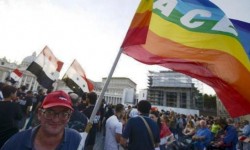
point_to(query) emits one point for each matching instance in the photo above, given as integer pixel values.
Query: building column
(35, 86)
(178, 100)
(25, 79)
(164, 98)
(3, 77)
(108, 98)
(20, 82)
(30, 84)
(188, 100)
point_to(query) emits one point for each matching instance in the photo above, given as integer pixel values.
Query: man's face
(53, 120)
(121, 114)
(203, 124)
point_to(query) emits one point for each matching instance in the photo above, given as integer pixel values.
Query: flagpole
(99, 101)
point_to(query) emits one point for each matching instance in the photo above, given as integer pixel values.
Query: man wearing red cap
(51, 134)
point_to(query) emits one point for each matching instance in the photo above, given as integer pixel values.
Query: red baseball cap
(154, 109)
(57, 98)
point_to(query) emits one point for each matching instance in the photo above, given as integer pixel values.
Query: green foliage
(209, 101)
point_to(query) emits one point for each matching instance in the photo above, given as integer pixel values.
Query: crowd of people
(55, 120)
(180, 131)
(168, 130)
(147, 128)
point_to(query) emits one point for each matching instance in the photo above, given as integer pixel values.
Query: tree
(209, 101)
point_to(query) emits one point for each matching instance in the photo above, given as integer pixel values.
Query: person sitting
(188, 132)
(244, 138)
(229, 139)
(215, 128)
(202, 137)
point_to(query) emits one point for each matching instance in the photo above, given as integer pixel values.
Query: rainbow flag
(196, 38)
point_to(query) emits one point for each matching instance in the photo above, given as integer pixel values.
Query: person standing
(1, 94)
(137, 133)
(90, 140)
(78, 120)
(114, 129)
(39, 99)
(83, 102)
(165, 132)
(10, 114)
(108, 114)
(26, 106)
(52, 133)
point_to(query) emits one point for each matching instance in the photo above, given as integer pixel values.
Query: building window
(160, 98)
(183, 100)
(171, 99)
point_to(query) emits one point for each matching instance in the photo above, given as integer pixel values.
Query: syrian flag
(76, 79)
(46, 68)
(15, 76)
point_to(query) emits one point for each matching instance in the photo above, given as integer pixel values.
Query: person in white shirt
(114, 129)
(1, 94)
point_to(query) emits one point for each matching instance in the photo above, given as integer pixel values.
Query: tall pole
(99, 101)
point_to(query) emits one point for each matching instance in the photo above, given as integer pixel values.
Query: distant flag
(15, 76)
(46, 67)
(75, 78)
(195, 37)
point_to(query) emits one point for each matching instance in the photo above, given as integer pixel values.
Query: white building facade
(120, 90)
(28, 79)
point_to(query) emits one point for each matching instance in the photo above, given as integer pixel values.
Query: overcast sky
(90, 31)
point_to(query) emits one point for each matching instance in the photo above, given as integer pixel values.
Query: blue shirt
(78, 120)
(246, 130)
(137, 133)
(208, 137)
(25, 140)
(231, 137)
